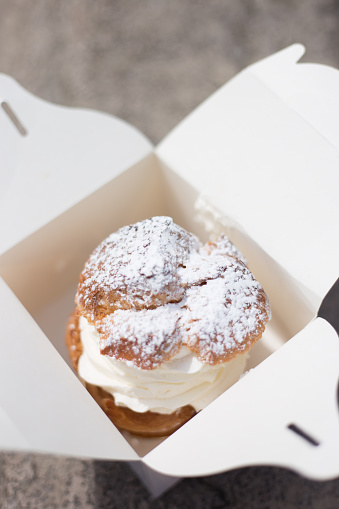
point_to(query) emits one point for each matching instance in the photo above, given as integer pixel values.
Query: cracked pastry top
(152, 287)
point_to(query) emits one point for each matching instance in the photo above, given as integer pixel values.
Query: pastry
(162, 324)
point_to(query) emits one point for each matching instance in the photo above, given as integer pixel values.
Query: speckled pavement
(151, 62)
(46, 482)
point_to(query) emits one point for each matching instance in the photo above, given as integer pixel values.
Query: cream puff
(163, 324)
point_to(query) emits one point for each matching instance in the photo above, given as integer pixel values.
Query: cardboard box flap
(52, 157)
(259, 153)
(44, 407)
(251, 424)
(318, 102)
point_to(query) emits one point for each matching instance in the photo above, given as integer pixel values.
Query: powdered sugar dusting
(151, 287)
(150, 335)
(235, 301)
(136, 267)
(222, 246)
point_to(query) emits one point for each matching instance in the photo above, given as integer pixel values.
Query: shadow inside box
(246, 488)
(329, 309)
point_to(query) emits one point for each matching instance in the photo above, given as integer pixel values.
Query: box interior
(43, 269)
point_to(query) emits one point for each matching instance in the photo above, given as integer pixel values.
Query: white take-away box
(258, 160)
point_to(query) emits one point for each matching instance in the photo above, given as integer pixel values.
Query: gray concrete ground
(151, 62)
(45, 482)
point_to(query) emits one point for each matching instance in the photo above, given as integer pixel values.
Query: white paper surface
(247, 425)
(63, 158)
(10, 436)
(49, 409)
(266, 167)
(311, 90)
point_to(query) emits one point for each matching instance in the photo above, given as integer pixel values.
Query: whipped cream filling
(183, 380)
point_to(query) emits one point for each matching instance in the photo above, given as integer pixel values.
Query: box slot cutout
(302, 434)
(14, 118)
